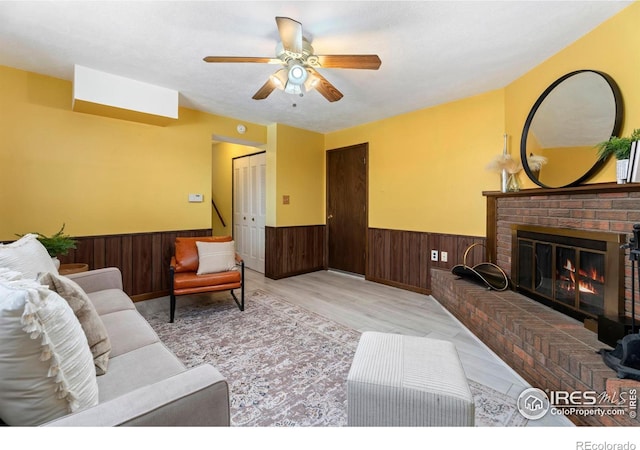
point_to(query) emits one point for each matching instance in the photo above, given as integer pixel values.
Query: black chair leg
(172, 308)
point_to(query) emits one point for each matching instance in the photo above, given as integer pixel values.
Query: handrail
(218, 213)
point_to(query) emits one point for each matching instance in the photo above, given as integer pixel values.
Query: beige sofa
(146, 384)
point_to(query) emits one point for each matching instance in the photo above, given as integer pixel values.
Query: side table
(67, 269)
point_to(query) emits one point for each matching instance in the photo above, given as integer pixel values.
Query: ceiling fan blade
(241, 59)
(326, 89)
(290, 34)
(265, 90)
(370, 62)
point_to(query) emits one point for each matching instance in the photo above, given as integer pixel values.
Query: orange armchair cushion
(186, 256)
(189, 280)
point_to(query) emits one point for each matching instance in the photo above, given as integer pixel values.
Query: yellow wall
(96, 174)
(611, 48)
(427, 169)
(221, 182)
(299, 173)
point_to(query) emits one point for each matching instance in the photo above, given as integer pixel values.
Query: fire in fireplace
(576, 272)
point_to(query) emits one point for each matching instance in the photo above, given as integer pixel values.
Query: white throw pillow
(216, 257)
(27, 255)
(46, 366)
(90, 321)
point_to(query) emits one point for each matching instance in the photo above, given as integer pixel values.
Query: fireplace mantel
(586, 189)
(608, 207)
(598, 188)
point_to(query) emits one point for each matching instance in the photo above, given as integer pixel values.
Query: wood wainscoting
(403, 258)
(143, 258)
(294, 250)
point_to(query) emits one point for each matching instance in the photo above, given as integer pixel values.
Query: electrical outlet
(444, 256)
(434, 255)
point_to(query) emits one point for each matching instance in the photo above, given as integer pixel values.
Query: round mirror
(578, 111)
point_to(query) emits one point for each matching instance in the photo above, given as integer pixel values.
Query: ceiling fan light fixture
(279, 79)
(297, 74)
(311, 82)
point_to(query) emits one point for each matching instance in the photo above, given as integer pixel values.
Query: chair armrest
(196, 397)
(99, 279)
(239, 259)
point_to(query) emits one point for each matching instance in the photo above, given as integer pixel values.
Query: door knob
(330, 216)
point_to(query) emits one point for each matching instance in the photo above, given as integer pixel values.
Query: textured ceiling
(432, 52)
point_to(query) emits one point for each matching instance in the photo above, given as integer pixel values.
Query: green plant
(57, 244)
(619, 147)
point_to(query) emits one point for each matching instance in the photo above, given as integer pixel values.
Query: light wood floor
(367, 306)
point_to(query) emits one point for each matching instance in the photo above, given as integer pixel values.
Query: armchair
(185, 278)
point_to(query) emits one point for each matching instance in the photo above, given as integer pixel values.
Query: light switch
(285, 199)
(196, 198)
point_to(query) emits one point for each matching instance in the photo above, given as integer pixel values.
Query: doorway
(249, 208)
(347, 197)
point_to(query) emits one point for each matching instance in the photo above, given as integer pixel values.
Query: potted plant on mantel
(620, 148)
(57, 244)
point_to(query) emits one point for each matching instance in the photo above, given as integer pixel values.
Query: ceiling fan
(295, 53)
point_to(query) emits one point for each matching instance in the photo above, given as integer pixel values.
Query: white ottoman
(398, 380)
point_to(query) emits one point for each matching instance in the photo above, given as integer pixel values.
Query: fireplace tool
(625, 357)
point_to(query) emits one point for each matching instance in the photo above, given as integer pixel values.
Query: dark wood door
(347, 208)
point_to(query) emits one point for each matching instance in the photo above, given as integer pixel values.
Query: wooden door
(347, 208)
(249, 209)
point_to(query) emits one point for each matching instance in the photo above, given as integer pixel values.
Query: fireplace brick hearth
(547, 348)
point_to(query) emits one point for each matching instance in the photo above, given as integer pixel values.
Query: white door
(249, 209)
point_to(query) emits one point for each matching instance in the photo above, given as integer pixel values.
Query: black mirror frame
(525, 132)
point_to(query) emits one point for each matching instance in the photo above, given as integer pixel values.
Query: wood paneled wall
(403, 258)
(143, 258)
(294, 250)
(395, 257)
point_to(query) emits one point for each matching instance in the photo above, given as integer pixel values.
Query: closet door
(249, 209)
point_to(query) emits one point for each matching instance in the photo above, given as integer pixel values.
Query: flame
(587, 278)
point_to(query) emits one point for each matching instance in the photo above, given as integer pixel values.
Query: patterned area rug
(285, 365)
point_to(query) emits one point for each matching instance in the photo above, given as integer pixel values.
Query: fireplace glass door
(568, 272)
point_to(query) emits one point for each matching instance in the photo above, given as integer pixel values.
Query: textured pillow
(27, 255)
(215, 257)
(46, 366)
(186, 252)
(91, 323)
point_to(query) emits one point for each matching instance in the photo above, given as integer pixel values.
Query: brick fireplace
(607, 207)
(548, 348)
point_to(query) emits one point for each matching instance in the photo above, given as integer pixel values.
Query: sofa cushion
(46, 366)
(128, 330)
(27, 255)
(138, 368)
(186, 252)
(84, 310)
(110, 300)
(216, 257)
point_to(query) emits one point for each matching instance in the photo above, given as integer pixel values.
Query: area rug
(286, 366)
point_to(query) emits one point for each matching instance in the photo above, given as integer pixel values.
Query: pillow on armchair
(216, 257)
(186, 251)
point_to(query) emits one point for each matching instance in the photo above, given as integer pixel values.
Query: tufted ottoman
(398, 380)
